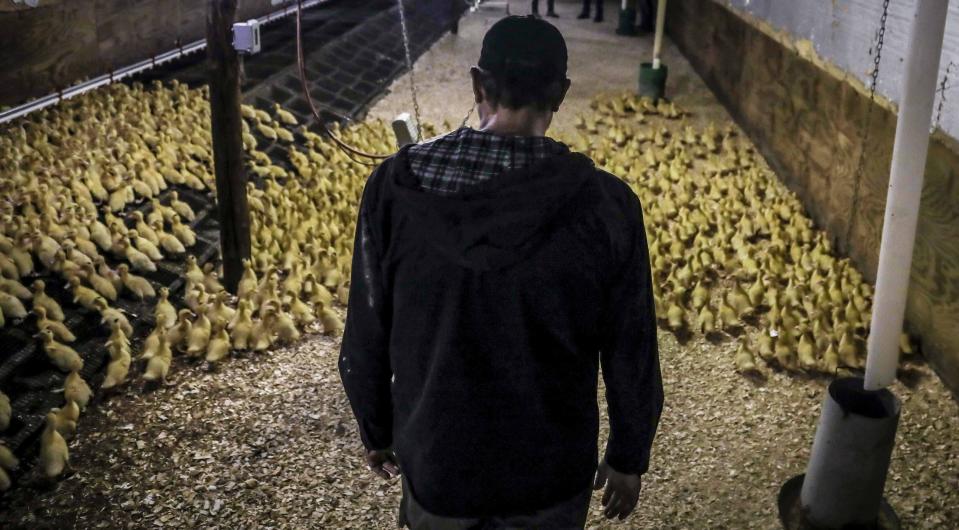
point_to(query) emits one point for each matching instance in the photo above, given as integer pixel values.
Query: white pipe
(660, 26)
(624, 4)
(905, 191)
(126, 71)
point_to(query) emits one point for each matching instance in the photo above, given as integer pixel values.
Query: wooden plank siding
(807, 122)
(59, 43)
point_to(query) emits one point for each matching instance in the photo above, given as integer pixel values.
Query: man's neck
(517, 122)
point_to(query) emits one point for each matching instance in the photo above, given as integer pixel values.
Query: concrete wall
(806, 115)
(62, 41)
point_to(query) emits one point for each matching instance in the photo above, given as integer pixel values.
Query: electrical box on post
(404, 129)
(246, 37)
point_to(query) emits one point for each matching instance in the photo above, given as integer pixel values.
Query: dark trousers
(549, 6)
(569, 514)
(599, 7)
(647, 14)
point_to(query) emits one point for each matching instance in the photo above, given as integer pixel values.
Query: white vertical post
(660, 27)
(905, 190)
(624, 4)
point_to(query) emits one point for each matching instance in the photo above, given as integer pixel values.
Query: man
(647, 16)
(549, 9)
(599, 10)
(494, 272)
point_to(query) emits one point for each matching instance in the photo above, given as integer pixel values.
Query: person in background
(647, 15)
(599, 10)
(549, 9)
(495, 272)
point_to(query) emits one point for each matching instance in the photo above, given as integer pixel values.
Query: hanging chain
(942, 94)
(409, 66)
(864, 137)
(469, 115)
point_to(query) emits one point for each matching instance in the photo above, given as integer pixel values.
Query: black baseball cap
(524, 46)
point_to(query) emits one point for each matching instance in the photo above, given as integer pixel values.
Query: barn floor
(269, 441)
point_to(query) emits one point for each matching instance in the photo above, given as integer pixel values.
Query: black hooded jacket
(476, 326)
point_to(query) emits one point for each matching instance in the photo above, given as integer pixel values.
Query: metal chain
(864, 137)
(409, 66)
(942, 94)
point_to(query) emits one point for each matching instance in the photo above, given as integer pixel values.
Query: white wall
(844, 32)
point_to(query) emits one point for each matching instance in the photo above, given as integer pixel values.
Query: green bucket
(627, 22)
(652, 81)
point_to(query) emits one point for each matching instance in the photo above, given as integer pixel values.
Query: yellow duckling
(11, 306)
(151, 344)
(145, 246)
(675, 317)
(706, 321)
(168, 242)
(177, 335)
(241, 327)
(745, 361)
(118, 369)
(219, 312)
(284, 327)
(54, 456)
(302, 313)
(15, 288)
(137, 259)
(193, 272)
(100, 284)
(283, 115)
(210, 279)
(112, 316)
(181, 208)
(219, 346)
(77, 390)
(263, 333)
(805, 352)
(199, 336)
(60, 331)
(8, 460)
(139, 286)
(332, 325)
(248, 281)
(830, 359)
(6, 412)
(183, 232)
(848, 352)
(67, 417)
(159, 364)
(65, 358)
(41, 299)
(164, 312)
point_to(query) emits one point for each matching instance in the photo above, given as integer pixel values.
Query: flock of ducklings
(731, 248)
(69, 180)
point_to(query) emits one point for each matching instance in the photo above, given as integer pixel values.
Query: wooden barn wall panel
(45, 48)
(807, 122)
(61, 42)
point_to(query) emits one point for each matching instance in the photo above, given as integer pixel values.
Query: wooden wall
(62, 41)
(807, 121)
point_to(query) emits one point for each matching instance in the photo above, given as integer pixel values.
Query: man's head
(522, 66)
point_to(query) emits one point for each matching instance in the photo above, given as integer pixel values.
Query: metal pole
(234, 215)
(660, 27)
(905, 191)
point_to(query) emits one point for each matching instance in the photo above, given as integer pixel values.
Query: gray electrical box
(405, 130)
(246, 37)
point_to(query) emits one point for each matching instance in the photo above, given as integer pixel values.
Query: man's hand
(383, 463)
(622, 491)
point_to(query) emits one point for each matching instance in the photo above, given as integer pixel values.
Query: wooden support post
(234, 214)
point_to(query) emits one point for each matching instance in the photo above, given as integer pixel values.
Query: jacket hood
(498, 222)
